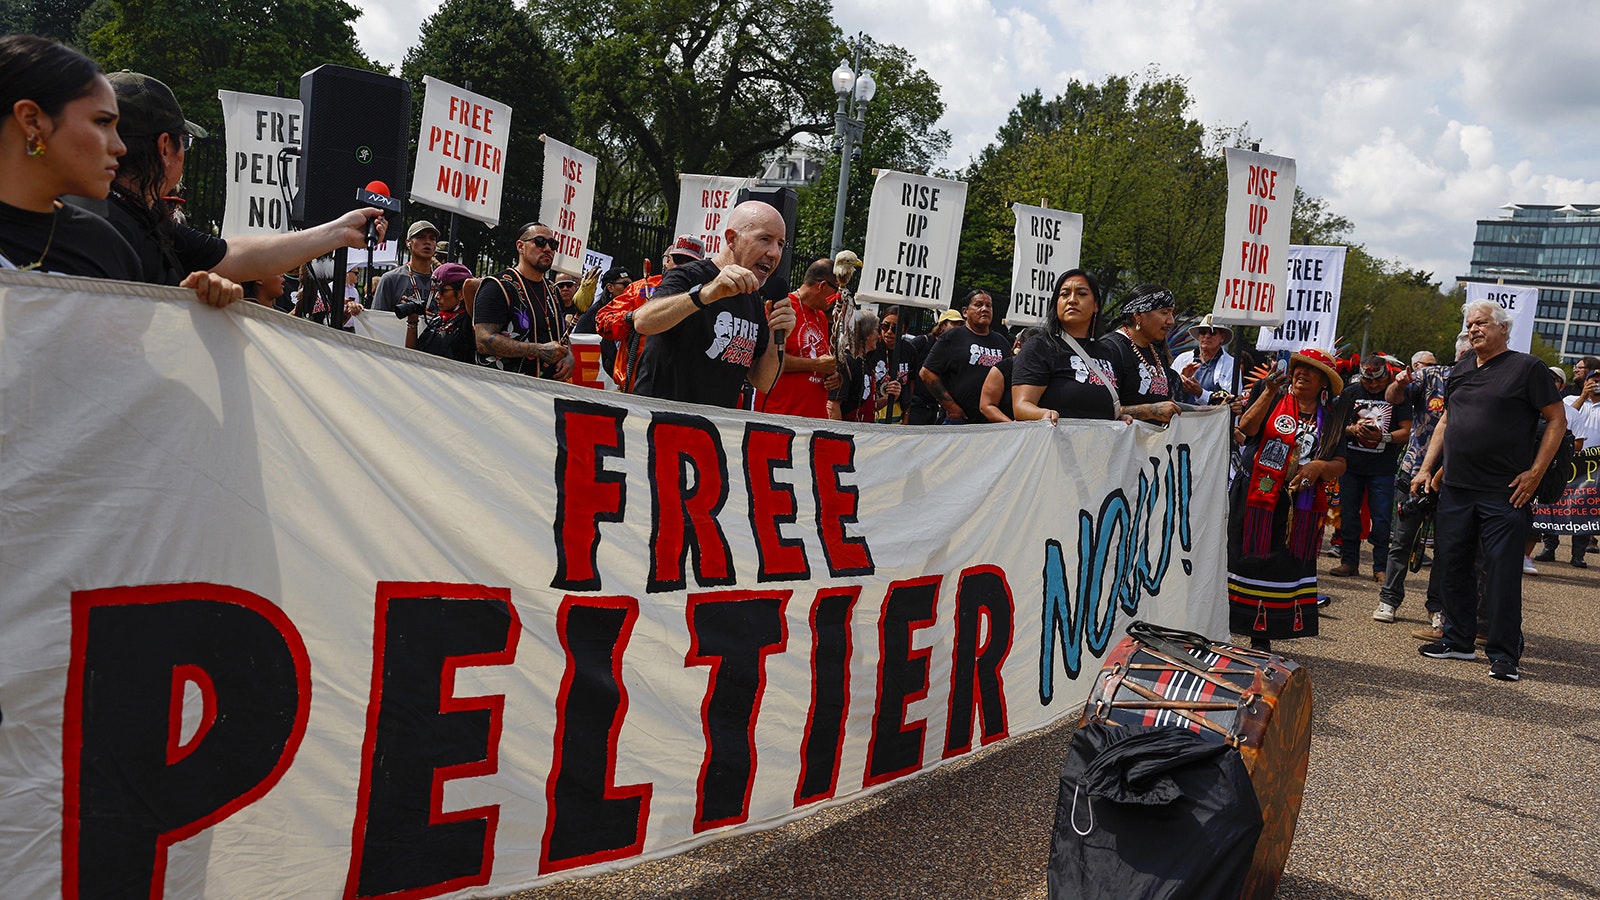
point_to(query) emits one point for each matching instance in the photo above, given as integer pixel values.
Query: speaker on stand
(355, 129)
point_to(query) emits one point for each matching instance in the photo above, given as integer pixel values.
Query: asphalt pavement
(1427, 779)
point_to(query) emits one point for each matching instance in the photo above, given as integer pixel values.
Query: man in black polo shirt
(1493, 400)
(961, 360)
(709, 329)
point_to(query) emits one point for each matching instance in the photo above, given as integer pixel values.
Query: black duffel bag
(1152, 811)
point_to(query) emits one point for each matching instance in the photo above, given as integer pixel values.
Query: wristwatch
(694, 296)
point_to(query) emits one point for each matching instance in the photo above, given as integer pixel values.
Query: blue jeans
(1379, 491)
(1466, 518)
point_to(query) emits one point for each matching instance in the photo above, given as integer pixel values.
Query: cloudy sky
(1412, 119)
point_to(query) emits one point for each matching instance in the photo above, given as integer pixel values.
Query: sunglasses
(543, 242)
(886, 326)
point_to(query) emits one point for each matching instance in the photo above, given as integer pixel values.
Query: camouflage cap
(148, 107)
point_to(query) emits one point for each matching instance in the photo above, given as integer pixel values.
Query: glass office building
(1556, 249)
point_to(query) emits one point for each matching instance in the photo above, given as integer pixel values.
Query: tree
(54, 19)
(1148, 180)
(667, 88)
(237, 45)
(497, 49)
(899, 135)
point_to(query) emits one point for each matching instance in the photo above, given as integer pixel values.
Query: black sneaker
(1504, 670)
(1442, 650)
(1545, 555)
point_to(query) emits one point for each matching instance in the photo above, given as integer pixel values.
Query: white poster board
(1518, 301)
(256, 128)
(291, 613)
(1311, 302)
(567, 202)
(1048, 242)
(913, 232)
(461, 151)
(1255, 239)
(704, 202)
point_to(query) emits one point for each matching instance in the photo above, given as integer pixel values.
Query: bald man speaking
(709, 326)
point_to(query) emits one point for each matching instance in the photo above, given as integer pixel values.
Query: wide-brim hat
(1206, 326)
(1322, 361)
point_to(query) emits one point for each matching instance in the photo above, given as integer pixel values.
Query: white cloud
(1413, 120)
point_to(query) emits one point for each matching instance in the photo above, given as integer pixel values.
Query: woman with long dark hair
(1066, 374)
(1292, 450)
(59, 136)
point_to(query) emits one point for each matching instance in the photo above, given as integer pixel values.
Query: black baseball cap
(147, 107)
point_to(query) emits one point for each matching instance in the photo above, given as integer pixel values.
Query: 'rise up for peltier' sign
(1255, 239)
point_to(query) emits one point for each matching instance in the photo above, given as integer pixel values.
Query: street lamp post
(855, 88)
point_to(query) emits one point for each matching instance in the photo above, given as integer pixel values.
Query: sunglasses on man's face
(542, 242)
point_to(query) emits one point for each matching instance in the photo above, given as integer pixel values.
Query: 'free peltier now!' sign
(461, 151)
(1255, 239)
(913, 230)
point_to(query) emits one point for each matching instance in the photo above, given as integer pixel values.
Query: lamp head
(866, 87)
(843, 78)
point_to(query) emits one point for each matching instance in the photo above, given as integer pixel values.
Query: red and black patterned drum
(1253, 700)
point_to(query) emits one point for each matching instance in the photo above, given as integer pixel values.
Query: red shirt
(802, 393)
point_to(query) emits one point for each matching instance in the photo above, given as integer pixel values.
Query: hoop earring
(35, 144)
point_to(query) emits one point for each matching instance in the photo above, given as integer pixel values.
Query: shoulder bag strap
(1105, 377)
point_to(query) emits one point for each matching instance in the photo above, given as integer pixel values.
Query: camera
(408, 308)
(1422, 504)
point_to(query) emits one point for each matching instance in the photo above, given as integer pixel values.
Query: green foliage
(252, 46)
(497, 48)
(1149, 182)
(54, 19)
(899, 135)
(667, 86)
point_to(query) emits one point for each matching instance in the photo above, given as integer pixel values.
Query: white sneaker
(1384, 613)
(1527, 566)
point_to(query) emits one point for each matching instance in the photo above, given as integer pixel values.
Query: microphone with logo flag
(376, 193)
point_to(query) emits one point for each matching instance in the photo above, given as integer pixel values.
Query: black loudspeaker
(787, 202)
(355, 130)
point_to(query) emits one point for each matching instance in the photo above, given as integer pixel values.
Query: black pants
(1466, 518)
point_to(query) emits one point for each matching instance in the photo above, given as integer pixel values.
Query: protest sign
(259, 180)
(594, 259)
(567, 202)
(913, 232)
(294, 613)
(461, 151)
(1047, 243)
(704, 202)
(1519, 302)
(1578, 510)
(1255, 239)
(1311, 301)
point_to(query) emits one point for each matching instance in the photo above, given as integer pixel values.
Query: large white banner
(703, 205)
(567, 202)
(1255, 239)
(256, 129)
(290, 613)
(913, 232)
(1048, 243)
(1519, 302)
(1311, 301)
(461, 151)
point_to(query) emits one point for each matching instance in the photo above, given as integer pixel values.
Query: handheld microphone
(376, 193)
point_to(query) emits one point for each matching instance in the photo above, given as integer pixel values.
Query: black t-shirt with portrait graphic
(1141, 375)
(1071, 387)
(962, 361)
(706, 357)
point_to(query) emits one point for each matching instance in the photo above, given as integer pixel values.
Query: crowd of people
(92, 163)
